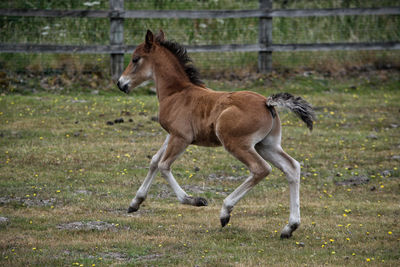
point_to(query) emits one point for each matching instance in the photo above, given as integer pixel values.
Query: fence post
(265, 38)
(116, 37)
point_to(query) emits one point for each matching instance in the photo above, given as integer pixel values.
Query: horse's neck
(169, 79)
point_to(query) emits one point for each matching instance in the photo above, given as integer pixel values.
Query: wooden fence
(264, 47)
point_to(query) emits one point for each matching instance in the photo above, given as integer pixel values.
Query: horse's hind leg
(272, 152)
(259, 169)
(175, 148)
(144, 188)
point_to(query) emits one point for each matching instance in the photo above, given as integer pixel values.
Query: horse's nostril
(119, 84)
(125, 88)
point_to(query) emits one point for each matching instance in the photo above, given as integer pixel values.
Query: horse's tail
(298, 105)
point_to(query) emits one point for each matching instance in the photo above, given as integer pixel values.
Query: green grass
(53, 146)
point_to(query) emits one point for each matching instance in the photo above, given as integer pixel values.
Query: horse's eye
(135, 59)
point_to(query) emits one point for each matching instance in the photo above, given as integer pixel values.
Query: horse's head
(140, 67)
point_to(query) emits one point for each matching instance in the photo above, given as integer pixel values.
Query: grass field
(67, 178)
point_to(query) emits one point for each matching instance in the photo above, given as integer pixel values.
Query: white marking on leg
(291, 168)
(141, 194)
(294, 187)
(179, 192)
(176, 146)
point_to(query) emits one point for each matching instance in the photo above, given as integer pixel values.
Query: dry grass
(59, 147)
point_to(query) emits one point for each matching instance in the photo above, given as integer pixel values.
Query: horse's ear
(149, 39)
(160, 37)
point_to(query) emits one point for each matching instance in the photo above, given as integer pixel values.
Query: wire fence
(89, 31)
(193, 4)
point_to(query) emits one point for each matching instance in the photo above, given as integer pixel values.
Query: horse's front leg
(175, 148)
(144, 188)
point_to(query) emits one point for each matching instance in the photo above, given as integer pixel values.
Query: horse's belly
(206, 137)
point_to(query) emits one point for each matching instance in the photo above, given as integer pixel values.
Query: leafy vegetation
(63, 166)
(202, 31)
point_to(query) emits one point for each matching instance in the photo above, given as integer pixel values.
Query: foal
(245, 123)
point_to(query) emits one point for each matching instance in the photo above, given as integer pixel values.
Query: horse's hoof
(132, 209)
(285, 235)
(225, 220)
(288, 230)
(199, 201)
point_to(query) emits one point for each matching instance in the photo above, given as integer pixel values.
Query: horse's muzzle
(123, 87)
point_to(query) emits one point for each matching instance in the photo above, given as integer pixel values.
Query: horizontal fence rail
(265, 47)
(109, 49)
(200, 14)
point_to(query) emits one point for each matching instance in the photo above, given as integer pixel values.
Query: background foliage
(202, 31)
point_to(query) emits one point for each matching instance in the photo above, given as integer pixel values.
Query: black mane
(180, 52)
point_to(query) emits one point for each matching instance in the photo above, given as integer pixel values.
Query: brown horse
(245, 123)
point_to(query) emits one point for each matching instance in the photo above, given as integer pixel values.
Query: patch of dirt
(91, 225)
(78, 101)
(372, 136)
(105, 255)
(148, 134)
(4, 220)
(217, 177)
(83, 192)
(387, 173)
(306, 174)
(149, 257)
(115, 256)
(196, 189)
(29, 202)
(164, 191)
(356, 180)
